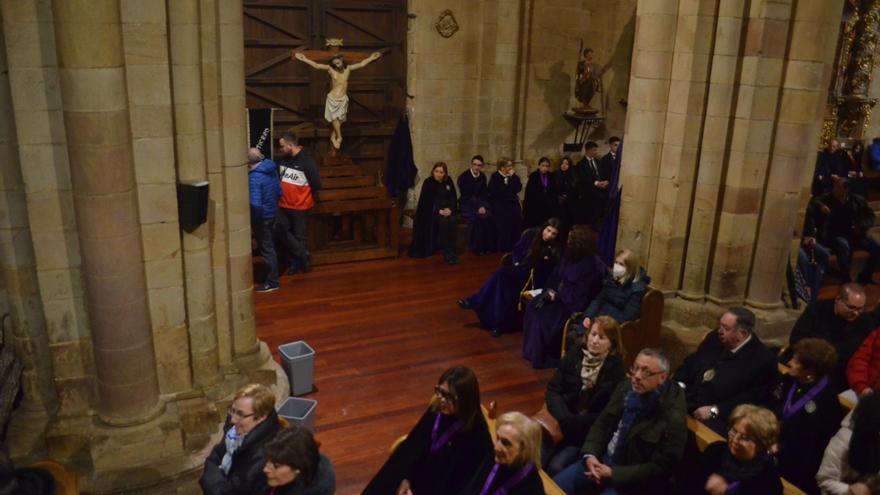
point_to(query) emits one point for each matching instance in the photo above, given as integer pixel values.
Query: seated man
(841, 322)
(731, 367)
(638, 440)
(846, 219)
(235, 465)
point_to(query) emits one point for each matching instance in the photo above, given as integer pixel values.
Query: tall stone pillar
(90, 56)
(681, 142)
(232, 116)
(715, 141)
(757, 101)
(646, 120)
(27, 328)
(804, 85)
(184, 37)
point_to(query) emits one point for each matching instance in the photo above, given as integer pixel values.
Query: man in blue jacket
(265, 189)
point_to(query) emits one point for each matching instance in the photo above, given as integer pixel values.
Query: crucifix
(336, 106)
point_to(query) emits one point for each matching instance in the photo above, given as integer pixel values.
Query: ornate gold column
(90, 56)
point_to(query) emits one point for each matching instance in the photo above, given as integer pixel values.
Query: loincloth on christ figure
(336, 108)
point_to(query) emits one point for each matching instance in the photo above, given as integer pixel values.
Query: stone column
(645, 120)
(27, 327)
(808, 66)
(89, 46)
(716, 139)
(759, 78)
(184, 38)
(232, 116)
(681, 140)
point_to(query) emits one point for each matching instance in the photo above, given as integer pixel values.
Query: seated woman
(569, 289)
(863, 370)
(851, 464)
(504, 185)
(514, 467)
(808, 407)
(435, 220)
(621, 294)
(295, 467)
(532, 260)
(742, 465)
(446, 446)
(580, 389)
(541, 200)
(235, 465)
(474, 205)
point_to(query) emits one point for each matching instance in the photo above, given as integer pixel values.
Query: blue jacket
(265, 189)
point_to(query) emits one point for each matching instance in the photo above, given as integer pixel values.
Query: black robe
(540, 203)
(445, 472)
(742, 378)
(804, 435)
(757, 476)
(434, 197)
(566, 187)
(530, 485)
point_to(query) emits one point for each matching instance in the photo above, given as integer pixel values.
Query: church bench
(705, 435)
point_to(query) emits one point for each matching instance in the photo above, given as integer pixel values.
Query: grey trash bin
(299, 411)
(298, 360)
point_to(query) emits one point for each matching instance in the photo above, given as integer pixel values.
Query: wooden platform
(383, 332)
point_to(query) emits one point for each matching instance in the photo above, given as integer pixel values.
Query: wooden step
(347, 171)
(343, 182)
(352, 193)
(325, 207)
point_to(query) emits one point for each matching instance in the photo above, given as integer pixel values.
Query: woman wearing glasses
(806, 402)
(236, 463)
(742, 465)
(444, 449)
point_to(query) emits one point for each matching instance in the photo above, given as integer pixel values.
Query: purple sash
(789, 409)
(512, 482)
(732, 486)
(438, 443)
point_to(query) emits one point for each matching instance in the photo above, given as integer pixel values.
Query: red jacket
(863, 370)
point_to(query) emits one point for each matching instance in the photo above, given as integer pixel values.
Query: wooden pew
(644, 332)
(705, 435)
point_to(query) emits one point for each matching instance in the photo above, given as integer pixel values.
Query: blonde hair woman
(622, 291)
(514, 467)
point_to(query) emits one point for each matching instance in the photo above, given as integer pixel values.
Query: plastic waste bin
(298, 360)
(299, 411)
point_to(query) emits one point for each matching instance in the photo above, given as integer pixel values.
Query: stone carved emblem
(446, 24)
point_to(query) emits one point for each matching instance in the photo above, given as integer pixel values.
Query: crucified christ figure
(336, 108)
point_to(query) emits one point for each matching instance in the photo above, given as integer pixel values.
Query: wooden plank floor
(383, 332)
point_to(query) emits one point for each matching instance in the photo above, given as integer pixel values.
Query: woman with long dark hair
(566, 187)
(568, 290)
(541, 200)
(504, 187)
(445, 448)
(435, 221)
(851, 465)
(531, 261)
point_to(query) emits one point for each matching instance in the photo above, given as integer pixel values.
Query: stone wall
(499, 86)
(133, 330)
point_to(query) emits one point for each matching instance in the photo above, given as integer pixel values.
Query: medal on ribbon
(709, 374)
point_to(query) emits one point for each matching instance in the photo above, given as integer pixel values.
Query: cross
(324, 56)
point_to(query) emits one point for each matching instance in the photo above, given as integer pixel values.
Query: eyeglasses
(444, 395)
(238, 414)
(644, 372)
(736, 436)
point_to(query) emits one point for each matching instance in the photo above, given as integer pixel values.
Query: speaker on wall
(192, 203)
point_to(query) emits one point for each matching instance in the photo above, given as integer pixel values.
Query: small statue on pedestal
(587, 82)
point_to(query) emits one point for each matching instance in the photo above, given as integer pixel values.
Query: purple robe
(497, 301)
(505, 210)
(576, 283)
(474, 193)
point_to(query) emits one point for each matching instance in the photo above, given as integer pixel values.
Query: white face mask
(618, 271)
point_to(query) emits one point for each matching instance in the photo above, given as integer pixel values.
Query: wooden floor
(383, 332)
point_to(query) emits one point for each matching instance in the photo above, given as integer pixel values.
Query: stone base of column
(26, 435)
(687, 320)
(165, 454)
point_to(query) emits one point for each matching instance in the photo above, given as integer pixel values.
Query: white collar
(475, 175)
(740, 346)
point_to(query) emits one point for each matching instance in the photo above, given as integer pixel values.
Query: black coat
(623, 302)
(445, 472)
(540, 203)
(434, 197)
(567, 190)
(530, 485)
(804, 436)
(576, 411)
(819, 321)
(592, 200)
(850, 219)
(323, 483)
(246, 472)
(758, 476)
(741, 378)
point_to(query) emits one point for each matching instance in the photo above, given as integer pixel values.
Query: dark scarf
(733, 470)
(633, 405)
